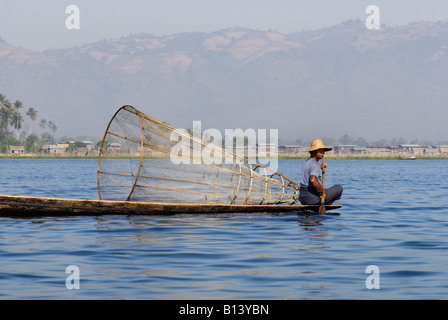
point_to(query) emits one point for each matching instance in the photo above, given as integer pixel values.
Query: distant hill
(328, 82)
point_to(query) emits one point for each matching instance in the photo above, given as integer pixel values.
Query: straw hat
(317, 144)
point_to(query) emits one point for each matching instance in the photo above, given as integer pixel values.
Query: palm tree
(16, 121)
(43, 123)
(17, 117)
(52, 126)
(5, 114)
(48, 124)
(32, 114)
(3, 101)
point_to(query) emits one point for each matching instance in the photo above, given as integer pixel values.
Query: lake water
(394, 217)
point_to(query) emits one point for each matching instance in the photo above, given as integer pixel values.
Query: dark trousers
(310, 195)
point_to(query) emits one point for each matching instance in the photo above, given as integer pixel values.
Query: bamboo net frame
(142, 159)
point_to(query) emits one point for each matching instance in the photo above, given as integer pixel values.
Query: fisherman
(311, 189)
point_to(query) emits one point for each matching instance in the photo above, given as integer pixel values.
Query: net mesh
(142, 159)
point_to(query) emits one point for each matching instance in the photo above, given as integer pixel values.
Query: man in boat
(311, 189)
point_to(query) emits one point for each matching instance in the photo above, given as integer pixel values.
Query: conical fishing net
(142, 159)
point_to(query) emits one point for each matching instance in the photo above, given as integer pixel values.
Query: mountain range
(344, 79)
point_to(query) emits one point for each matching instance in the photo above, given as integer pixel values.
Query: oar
(322, 198)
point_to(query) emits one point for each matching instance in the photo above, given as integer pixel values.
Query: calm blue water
(394, 216)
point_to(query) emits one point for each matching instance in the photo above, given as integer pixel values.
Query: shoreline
(280, 157)
(370, 157)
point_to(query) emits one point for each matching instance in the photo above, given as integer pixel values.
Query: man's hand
(324, 195)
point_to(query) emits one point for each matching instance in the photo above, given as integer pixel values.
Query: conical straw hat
(317, 144)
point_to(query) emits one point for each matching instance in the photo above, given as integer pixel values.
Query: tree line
(11, 123)
(362, 142)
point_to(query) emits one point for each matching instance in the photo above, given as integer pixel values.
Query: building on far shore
(377, 149)
(443, 150)
(291, 149)
(297, 150)
(349, 149)
(53, 149)
(16, 150)
(431, 151)
(412, 148)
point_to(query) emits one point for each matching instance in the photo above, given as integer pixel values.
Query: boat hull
(16, 206)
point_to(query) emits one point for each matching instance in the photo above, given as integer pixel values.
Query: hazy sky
(40, 25)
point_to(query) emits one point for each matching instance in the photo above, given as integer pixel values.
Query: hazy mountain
(329, 82)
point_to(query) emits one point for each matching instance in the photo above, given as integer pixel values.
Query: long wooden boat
(23, 206)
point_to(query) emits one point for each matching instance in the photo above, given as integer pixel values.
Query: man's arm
(317, 185)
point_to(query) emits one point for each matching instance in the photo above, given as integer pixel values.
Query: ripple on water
(389, 219)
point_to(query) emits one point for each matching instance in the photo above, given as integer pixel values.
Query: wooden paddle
(322, 198)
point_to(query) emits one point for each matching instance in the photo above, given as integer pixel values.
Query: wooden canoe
(17, 206)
